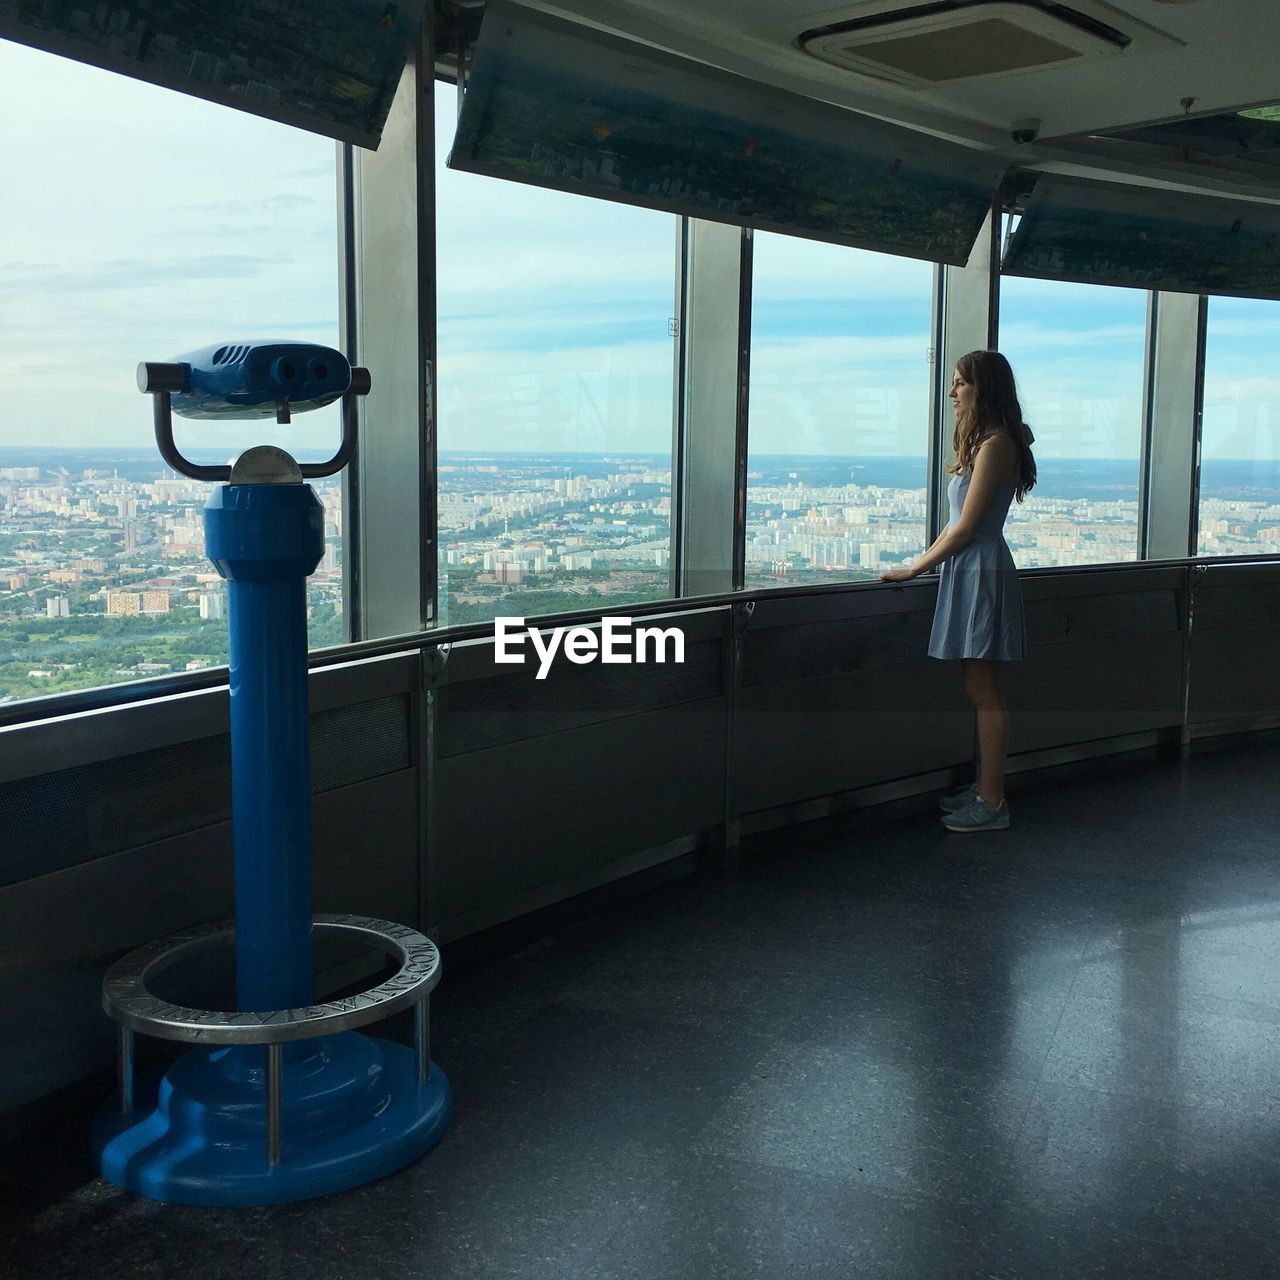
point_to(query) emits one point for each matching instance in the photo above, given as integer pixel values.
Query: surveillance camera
(1025, 131)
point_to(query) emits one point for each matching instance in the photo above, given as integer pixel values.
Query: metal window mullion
(1176, 379)
(992, 229)
(428, 505)
(712, 428)
(348, 331)
(394, 469)
(739, 551)
(970, 298)
(676, 565)
(1148, 427)
(1197, 418)
(937, 403)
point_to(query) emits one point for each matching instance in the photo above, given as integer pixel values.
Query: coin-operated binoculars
(281, 1099)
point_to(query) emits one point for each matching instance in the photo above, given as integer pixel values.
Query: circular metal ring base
(353, 1111)
(127, 997)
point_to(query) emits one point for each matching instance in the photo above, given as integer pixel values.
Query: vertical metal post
(739, 617)
(275, 1056)
(422, 1037)
(745, 272)
(1195, 575)
(124, 1067)
(433, 664)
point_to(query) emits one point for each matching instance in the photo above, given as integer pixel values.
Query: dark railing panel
(524, 815)
(481, 714)
(1105, 660)
(801, 739)
(1081, 692)
(66, 818)
(61, 932)
(531, 788)
(1235, 637)
(1086, 617)
(840, 697)
(830, 648)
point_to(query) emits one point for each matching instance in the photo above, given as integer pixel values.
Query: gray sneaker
(979, 816)
(960, 798)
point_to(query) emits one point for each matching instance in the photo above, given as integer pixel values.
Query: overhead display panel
(1146, 238)
(1240, 146)
(562, 106)
(328, 66)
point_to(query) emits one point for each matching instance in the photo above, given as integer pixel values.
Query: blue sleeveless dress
(979, 609)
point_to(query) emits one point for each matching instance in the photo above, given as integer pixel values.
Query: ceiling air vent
(960, 39)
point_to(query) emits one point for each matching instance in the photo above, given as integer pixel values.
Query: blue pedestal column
(352, 1106)
(265, 540)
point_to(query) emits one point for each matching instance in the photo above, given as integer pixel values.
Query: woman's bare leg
(982, 684)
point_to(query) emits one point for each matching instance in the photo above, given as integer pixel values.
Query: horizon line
(578, 453)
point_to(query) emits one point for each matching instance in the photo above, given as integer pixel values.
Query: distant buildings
(133, 603)
(123, 604)
(91, 544)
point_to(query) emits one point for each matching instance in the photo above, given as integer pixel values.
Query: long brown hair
(995, 408)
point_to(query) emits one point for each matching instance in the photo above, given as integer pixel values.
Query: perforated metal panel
(63, 819)
(364, 740)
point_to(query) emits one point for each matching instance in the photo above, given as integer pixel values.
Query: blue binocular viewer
(281, 1098)
(252, 380)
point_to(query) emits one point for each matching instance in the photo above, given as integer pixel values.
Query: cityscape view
(555, 374)
(103, 575)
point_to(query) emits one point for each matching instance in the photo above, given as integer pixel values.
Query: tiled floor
(874, 1050)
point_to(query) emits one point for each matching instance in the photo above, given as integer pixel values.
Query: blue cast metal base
(352, 1111)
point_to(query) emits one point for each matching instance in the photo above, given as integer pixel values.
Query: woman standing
(978, 618)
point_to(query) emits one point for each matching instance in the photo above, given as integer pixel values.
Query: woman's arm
(941, 550)
(906, 574)
(992, 463)
(940, 537)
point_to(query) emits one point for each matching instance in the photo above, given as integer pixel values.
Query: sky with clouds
(141, 224)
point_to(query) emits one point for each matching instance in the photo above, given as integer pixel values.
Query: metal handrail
(105, 696)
